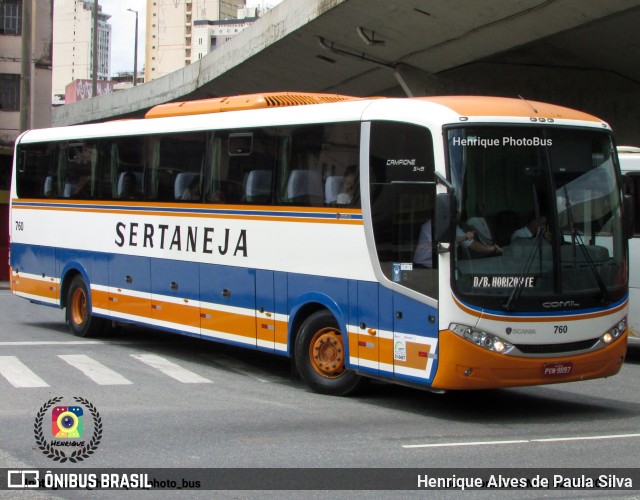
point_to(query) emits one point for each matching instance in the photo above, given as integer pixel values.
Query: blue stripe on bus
(563, 312)
(330, 215)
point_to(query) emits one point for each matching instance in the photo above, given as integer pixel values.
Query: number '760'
(560, 328)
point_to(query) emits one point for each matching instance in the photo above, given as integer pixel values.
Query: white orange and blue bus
(629, 157)
(289, 223)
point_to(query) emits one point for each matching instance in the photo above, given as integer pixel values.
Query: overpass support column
(415, 82)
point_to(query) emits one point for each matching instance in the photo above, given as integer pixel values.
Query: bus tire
(320, 356)
(78, 313)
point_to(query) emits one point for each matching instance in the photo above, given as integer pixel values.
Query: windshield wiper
(576, 237)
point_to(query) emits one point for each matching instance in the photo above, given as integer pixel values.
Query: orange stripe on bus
(273, 218)
(201, 206)
(100, 299)
(282, 332)
(175, 313)
(235, 324)
(45, 289)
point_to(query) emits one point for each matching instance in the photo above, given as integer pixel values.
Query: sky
(123, 30)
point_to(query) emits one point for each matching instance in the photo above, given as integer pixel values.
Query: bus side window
(122, 168)
(318, 165)
(250, 159)
(77, 169)
(177, 163)
(35, 171)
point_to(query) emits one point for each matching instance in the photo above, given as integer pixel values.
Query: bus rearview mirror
(444, 218)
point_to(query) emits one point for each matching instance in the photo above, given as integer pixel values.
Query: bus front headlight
(481, 338)
(614, 332)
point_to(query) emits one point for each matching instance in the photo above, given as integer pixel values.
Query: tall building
(35, 102)
(170, 23)
(73, 43)
(209, 35)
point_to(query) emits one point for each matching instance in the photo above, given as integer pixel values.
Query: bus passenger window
(318, 165)
(78, 170)
(35, 171)
(243, 168)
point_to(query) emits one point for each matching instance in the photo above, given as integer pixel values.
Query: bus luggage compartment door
(228, 303)
(174, 295)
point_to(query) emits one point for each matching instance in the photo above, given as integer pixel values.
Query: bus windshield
(539, 218)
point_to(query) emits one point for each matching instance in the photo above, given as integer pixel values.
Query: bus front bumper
(463, 365)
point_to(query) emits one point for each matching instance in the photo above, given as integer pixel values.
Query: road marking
(523, 441)
(17, 373)
(51, 342)
(587, 438)
(95, 370)
(171, 369)
(470, 443)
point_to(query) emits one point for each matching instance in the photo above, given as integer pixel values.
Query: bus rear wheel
(78, 313)
(320, 356)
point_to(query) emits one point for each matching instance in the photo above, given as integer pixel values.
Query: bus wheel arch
(75, 298)
(320, 355)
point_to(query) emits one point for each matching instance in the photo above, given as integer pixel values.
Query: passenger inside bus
(192, 191)
(348, 195)
(467, 239)
(531, 229)
(423, 255)
(78, 178)
(127, 190)
(482, 231)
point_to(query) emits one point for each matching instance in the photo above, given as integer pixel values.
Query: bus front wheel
(78, 313)
(320, 356)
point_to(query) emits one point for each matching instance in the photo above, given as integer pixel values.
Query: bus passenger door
(415, 339)
(265, 311)
(174, 295)
(130, 288)
(228, 304)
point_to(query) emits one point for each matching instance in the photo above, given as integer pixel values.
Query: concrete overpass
(579, 53)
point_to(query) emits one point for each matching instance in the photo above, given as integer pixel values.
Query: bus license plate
(557, 369)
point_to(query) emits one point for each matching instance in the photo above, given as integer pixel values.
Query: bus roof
(462, 105)
(293, 109)
(505, 106)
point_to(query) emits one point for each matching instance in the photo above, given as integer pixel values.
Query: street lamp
(135, 51)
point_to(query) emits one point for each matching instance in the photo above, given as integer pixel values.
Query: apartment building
(73, 43)
(170, 25)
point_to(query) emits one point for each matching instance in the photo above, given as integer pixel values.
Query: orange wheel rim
(326, 353)
(78, 306)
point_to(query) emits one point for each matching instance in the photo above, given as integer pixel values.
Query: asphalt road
(170, 401)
